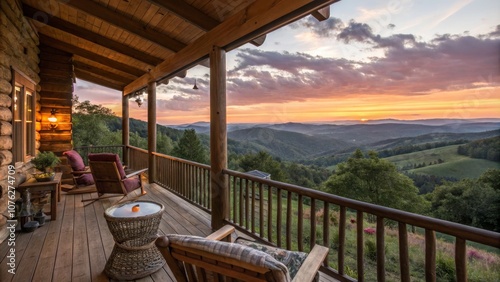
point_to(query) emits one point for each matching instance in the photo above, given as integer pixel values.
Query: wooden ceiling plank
(92, 69)
(96, 38)
(92, 8)
(195, 16)
(55, 43)
(97, 80)
(258, 18)
(107, 68)
(188, 12)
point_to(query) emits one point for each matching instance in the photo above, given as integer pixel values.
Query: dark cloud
(326, 28)
(360, 32)
(408, 67)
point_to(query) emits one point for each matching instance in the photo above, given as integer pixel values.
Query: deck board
(76, 246)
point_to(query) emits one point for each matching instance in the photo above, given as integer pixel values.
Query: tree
(474, 202)
(374, 180)
(264, 162)
(90, 125)
(189, 147)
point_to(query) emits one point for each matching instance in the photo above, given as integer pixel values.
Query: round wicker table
(134, 227)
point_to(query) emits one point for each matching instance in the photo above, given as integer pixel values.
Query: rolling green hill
(454, 165)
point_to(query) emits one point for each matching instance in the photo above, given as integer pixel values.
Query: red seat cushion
(75, 160)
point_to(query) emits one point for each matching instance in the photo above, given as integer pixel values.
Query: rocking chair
(110, 178)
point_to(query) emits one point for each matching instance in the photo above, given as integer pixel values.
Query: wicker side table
(134, 227)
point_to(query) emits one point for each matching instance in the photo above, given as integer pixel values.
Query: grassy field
(454, 165)
(482, 265)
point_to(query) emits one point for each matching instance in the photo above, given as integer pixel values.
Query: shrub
(371, 250)
(445, 268)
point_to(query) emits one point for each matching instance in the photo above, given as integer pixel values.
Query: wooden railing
(276, 211)
(297, 218)
(84, 151)
(137, 157)
(188, 179)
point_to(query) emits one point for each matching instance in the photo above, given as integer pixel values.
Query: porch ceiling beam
(188, 13)
(259, 18)
(52, 42)
(195, 16)
(98, 71)
(55, 22)
(97, 80)
(133, 26)
(321, 14)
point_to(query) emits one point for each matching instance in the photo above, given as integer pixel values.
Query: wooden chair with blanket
(193, 258)
(110, 178)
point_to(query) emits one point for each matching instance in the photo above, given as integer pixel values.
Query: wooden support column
(151, 130)
(218, 137)
(125, 128)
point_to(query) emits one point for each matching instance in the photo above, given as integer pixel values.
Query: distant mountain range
(298, 141)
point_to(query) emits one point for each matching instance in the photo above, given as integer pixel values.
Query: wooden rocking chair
(110, 178)
(193, 258)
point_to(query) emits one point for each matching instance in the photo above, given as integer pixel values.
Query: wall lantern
(53, 119)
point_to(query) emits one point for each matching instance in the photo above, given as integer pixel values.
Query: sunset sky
(403, 59)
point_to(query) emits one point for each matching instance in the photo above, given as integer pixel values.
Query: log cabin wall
(18, 49)
(56, 81)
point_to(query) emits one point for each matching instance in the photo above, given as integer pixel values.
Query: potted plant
(44, 162)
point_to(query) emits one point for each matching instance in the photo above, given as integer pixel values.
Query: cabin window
(23, 113)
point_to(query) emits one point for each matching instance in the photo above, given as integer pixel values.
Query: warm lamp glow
(52, 119)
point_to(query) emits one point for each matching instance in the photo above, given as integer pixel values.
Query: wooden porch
(75, 247)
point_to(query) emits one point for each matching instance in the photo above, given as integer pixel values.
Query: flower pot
(44, 177)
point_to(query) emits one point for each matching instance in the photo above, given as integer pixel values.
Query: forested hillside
(426, 168)
(488, 149)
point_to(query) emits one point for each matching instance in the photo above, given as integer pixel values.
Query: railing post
(151, 131)
(218, 137)
(125, 128)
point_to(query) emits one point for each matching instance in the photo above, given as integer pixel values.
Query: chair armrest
(137, 172)
(223, 233)
(312, 263)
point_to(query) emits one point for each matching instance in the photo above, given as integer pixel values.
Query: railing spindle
(360, 245)
(241, 202)
(326, 228)
(279, 212)
(404, 260)
(252, 212)
(460, 259)
(300, 223)
(430, 255)
(247, 205)
(261, 210)
(269, 214)
(312, 240)
(289, 220)
(342, 228)
(235, 201)
(380, 249)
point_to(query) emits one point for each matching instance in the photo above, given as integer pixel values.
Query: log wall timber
(56, 68)
(18, 49)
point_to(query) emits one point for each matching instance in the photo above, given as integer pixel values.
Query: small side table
(134, 254)
(53, 186)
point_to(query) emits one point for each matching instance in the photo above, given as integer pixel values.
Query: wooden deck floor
(75, 247)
